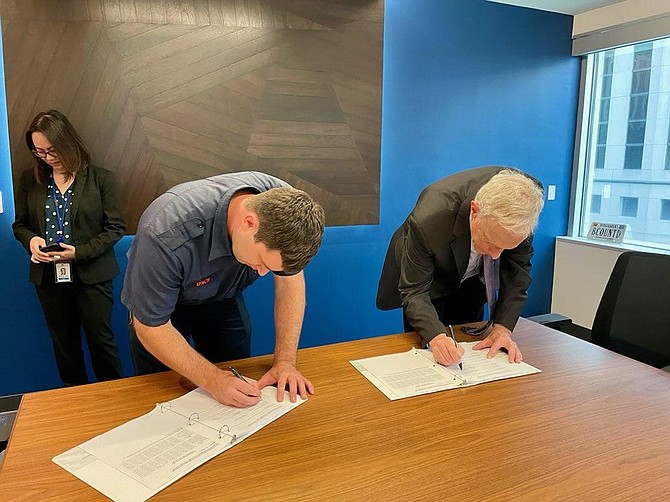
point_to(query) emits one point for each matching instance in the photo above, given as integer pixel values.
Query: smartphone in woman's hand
(51, 248)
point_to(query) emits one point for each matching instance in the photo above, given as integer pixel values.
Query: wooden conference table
(592, 426)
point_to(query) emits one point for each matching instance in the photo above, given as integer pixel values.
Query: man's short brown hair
(291, 222)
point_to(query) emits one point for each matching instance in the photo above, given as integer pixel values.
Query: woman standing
(68, 219)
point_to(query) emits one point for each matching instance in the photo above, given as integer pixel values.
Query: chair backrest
(633, 317)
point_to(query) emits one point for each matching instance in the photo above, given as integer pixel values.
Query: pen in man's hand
(237, 374)
(451, 333)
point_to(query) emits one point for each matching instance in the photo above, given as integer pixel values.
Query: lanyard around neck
(60, 216)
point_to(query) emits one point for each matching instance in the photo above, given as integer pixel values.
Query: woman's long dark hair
(67, 143)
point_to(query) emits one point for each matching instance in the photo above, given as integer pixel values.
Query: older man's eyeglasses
(45, 154)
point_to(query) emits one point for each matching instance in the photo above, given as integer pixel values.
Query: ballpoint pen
(451, 333)
(237, 374)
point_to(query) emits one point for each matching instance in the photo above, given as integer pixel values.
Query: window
(624, 166)
(629, 207)
(637, 109)
(665, 209)
(596, 200)
(608, 65)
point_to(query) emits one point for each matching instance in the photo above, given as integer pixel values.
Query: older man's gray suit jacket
(428, 255)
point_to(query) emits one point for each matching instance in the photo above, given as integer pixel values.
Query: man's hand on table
(286, 376)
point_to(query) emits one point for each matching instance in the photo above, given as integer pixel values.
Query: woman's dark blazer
(97, 222)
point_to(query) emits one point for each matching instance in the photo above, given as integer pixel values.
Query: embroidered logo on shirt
(202, 282)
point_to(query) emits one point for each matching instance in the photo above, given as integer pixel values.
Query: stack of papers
(139, 458)
(415, 372)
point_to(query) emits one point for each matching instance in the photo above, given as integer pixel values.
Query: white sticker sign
(612, 232)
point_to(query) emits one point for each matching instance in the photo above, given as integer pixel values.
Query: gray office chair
(633, 317)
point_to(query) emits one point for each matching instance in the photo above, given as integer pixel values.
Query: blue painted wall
(466, 83)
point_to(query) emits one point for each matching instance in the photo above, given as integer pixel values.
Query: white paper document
(141, 457)
(415, 372)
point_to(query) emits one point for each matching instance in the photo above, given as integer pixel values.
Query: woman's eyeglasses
(45, 154)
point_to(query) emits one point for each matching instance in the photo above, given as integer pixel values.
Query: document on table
(415, 372)
(141, 457)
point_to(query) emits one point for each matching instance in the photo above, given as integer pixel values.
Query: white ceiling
(563, 6)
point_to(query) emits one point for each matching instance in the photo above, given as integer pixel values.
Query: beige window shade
(641, 30)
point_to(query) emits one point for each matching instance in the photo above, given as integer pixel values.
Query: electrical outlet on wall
(551, 192)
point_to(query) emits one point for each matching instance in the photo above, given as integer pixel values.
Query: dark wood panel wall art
(165, 92)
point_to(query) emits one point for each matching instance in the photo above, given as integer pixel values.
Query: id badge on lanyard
(63, 270)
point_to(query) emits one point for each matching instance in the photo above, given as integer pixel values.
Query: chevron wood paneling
(170, 91)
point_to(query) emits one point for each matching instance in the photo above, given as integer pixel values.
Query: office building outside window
(625, 162)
